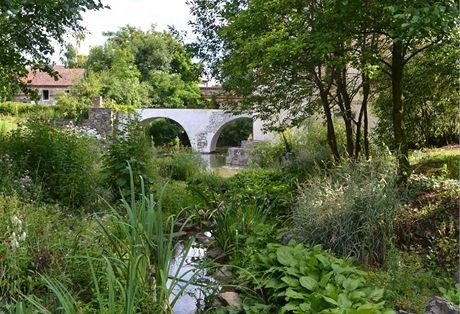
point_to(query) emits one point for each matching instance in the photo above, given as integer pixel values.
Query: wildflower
(7, 241)
(40, 232)
(14, 243)
(16, 221)
(2, 257)
(23, 236)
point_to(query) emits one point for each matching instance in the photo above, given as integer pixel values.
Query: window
(45, 94)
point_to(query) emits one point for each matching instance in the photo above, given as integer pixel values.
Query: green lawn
(439, 161)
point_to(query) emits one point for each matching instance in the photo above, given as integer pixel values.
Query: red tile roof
(67, 77)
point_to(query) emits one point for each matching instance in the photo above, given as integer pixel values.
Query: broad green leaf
(285, 257)
(294, 294)
(330, 300)
(308, 282)
(376, 294)
(344, 301)
(351, 284)
(275, 284)
(291, 281)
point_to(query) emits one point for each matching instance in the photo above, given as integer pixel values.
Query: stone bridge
(203, 126)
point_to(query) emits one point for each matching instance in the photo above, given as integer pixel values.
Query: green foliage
(428, 223)
(142, 246)
(235, 132)
(308, 150)
(301, 279)
(182, 165)
(239, 229)
(62, 161)
(269, 190)
(408, 284)
(46, 238)
(452, 295)
(30, 32)
(175, 197)
(130, 146)
(430, 97)
(442, 162)
(350, 210)
(158, 62)
(24, 110)
(165, 132)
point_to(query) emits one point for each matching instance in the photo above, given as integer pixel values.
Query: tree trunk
(344, 103)
(363, 116)
(399, 133)
(331, 138)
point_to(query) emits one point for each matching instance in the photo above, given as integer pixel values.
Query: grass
(408, 284)
(444, 161)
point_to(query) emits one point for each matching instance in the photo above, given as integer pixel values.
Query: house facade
(48, 87)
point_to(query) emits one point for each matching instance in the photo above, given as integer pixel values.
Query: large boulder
(438, 305)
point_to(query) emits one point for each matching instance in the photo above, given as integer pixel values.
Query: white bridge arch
(203, 126)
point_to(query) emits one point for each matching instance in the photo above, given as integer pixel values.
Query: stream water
(215, 162)
(194, 295)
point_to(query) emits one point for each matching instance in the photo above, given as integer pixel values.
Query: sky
(139, 13)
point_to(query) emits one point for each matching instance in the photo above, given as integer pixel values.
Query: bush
(182, 165)
(301, 279)
(67, 107)
(428, 222)
(63, 161)
(38, 239)
(130, 146)
(350, 210)
(270, 190)
(308, 150)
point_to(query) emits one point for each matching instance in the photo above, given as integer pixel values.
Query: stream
(194, 296)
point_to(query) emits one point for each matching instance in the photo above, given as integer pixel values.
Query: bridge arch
(146, 122)
(200, 125)
(220, 128)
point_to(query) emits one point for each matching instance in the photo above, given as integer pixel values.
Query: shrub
(45, 239)
(301, 279)
(182, 165)
(270, 190)
(130, 146)
(428, 222)
(349, 210)
(62, 160)
(308, 150)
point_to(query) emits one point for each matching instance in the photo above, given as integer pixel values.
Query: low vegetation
(91, 227)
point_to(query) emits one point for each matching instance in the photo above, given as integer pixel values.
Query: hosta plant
(302, 279)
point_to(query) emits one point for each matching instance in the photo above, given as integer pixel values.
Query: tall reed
(138, 264)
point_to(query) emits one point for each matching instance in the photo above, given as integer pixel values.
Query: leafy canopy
(27, 31)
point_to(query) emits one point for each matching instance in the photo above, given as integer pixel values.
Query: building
(48, 87)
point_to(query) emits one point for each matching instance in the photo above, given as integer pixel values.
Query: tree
(164, 64)
(405, 29)
(288, 54)
(287, 60)
(430, 97)
(27, 29)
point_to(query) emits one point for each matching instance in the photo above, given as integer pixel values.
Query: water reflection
(215, 162)
(194, 295)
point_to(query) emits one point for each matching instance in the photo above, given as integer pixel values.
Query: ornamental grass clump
(350, 210)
